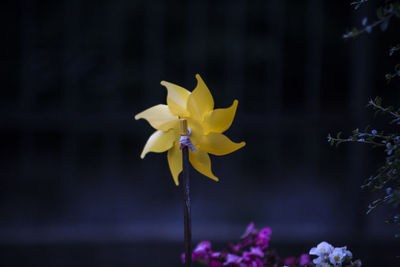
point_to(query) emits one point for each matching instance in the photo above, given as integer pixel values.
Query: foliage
(384, 13)
(387, 177)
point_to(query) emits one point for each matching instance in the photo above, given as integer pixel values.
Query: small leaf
(364, 21)
(384, 25)
(379, 12)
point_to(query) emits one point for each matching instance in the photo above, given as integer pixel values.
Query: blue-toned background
(73, 190)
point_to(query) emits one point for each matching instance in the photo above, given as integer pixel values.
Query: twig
(186, 199)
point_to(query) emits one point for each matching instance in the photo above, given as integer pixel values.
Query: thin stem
(370, 26)
(359, 141)
(187, 207)
(394, 114)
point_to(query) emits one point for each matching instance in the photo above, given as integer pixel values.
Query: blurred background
(73, 189)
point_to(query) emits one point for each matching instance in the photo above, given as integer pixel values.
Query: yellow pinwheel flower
(207, 125)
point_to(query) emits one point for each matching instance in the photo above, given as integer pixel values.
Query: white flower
(337, 256)
(348, 253)
(318, 260)
(322, 261)
(323, 248)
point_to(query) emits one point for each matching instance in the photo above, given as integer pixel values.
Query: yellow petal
(175, 162)
(218, 144)
(177, 98)
(159, 117)
(219, 120)
(159, 141)
(202, 163)
(200, 101)
(197, 131)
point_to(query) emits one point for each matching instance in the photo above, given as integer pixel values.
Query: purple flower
(304, 260)
(232, 259)
(215, 255)
(247, 241)
(201, 252)
(253, 253)
(236, 248)
(290, 261)
(215, 263)
(203, 246)
(249, 230)
(256, 263)
(262, 239)
(266, 231)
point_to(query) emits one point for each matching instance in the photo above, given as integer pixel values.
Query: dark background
(73, 190)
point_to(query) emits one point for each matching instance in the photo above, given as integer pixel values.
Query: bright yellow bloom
(207, 125)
